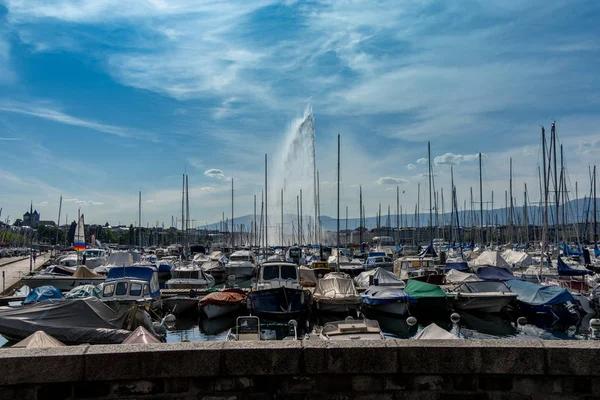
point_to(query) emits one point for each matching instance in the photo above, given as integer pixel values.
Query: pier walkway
(12, 273)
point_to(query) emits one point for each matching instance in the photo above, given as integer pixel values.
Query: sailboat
(79, 239)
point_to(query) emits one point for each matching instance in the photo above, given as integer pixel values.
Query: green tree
(18, 222)
(71, 234)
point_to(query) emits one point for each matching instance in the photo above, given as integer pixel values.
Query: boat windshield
(186, 274)
(239, 258)
(483, 286)
(288, 272)
(271, 272)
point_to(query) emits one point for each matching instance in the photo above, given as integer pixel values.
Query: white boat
(386, 299)
(81, 276)
(241, 264)
(93, 258)
(336, 292)
(190, 277)
(351, 329)
(223, 302)
(482, 296)
(250, 329)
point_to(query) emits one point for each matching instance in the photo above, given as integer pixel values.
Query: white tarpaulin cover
(490, 259)
(384, 277)
(307, 276)
(454, 276)
(336, 289)
(517, 258)
(435, 332)
(38, 340)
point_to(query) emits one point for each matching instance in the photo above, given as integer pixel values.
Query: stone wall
(391, 369)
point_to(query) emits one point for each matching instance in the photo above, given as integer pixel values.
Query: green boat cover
(418, 289)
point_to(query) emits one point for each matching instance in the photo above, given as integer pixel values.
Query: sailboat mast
(545, 223)
(282, 217)
(232, 217)
(557, 199)
(301, 222)
(430, 193)
(481, 200)
(595, 218)
(58, 223)
(255, 231)
(397, 215)
(360, 224)
(319, 208)
(298, 217)
(266, 208)
(140, 219)
(338, 204)
(511, 210)
(183, 209)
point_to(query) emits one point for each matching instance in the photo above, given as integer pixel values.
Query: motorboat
(429, 297)
(118, 259)
(293, 255)
(190, 277)
(81, 276)
(420, 268)
(551, 301)
(182, 304)
(223, 302)
(482, 296)
(335, 293)
(71, 321)
(93, 258)
(278, 293)
(380, 261)
(348, 265)
(250, 328)
(351, 329)
(215, 266)
(320, 268)
(434, 332)
(165, 268)
(386, 299)
(241, 264)
(378, 277)
(126, 286)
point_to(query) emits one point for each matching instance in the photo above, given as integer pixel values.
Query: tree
(71, 235)
(131, 235)
(18, 222)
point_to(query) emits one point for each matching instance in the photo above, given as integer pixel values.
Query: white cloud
(207, 188)
(84, 202)
(410, 167)
(387, 180)
(10, 139)
(215, 173)
(454, 159)
(422, 161)
(51, 114)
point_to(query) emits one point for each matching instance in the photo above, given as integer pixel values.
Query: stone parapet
(395, 369)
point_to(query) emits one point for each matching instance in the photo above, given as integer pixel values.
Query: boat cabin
(249, 328)
(294, 255)
(278, 274)
(242, 256)
(130, 284)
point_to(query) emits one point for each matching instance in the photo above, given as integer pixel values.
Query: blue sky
(100, 99)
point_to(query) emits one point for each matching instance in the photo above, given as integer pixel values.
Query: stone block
(428, 383)
(577, 357)
(353, 357)
(463, 383)
(470, 356)
(89, 390)
(299, 384)
(262, 358)
(397, 382)
(117, 362)
(22, 392)
(177, 385)
(337, 384)
(51, 365)
(54, 391)
(138, 388)
(367, 383)
(495, 383)
(576, 384)
(530, 385)
(231, 384)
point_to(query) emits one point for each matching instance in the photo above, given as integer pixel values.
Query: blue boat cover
(538, 295)
(428, 251)
(459, 266)
(570, 252)
(596, 250)
(43, 293)
(143, 273)
(377, 254)
(494, 274)
(385, 294)
(565, 270)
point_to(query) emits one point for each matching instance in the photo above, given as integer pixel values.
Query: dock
(12, 271)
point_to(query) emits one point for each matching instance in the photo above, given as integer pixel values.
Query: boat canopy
(570, 252)
(376, 295)
(418, 289)
(38, 340)
(43, 293)
(537, 295)
(596, 250)
(84, 272)
(494, 274)
(490, 259)
(307, 276)
(517, 258)
(336, 288)
(565, 270)
(432, 331)
(455, 276)
(144, 273)
(429, 251)
(224, 297)
(484, 287)
(459, 266)
(385, 278)
(83, 291)
(141, 336)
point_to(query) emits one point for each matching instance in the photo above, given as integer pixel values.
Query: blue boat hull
(279, 303)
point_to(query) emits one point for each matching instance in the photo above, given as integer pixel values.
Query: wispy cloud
(454, 159)
(387, 180)
(55, 115)
(410, 167)
(10, 139)
(84, 202)
(215, 173)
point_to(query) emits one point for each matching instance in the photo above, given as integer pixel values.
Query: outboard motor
(586, 257)
(443, 258)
